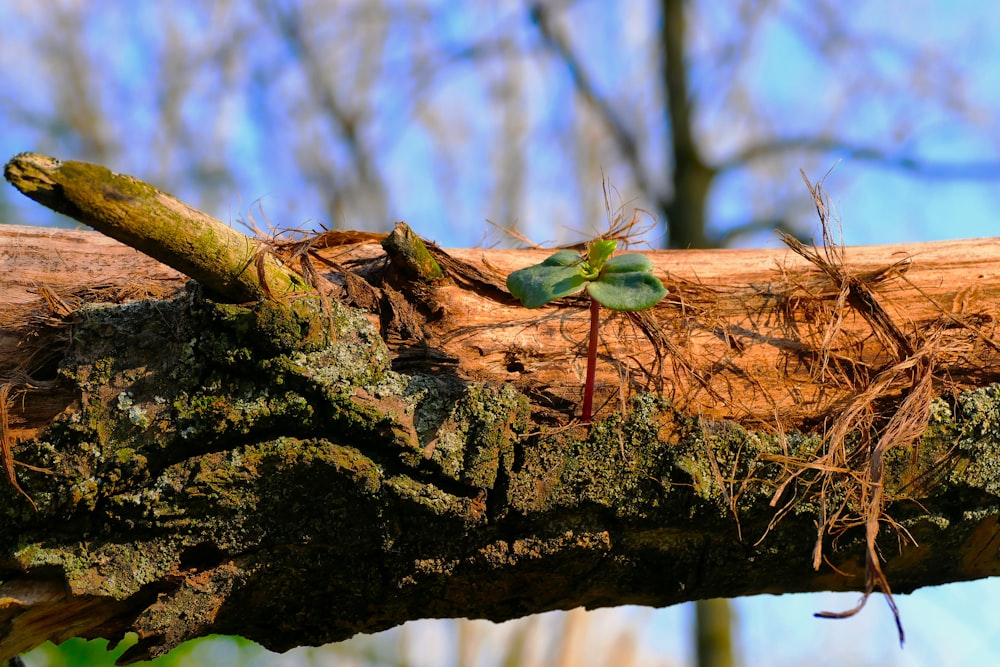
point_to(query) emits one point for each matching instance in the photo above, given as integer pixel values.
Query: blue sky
(796, 90)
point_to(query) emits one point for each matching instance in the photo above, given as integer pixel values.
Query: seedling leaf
(561, 258)
(630, 290)
(625, 282)
(597, 254)
(628, 263)
(556, 277)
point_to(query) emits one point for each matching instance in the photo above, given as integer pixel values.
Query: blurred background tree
(356, 113)
(360, 112)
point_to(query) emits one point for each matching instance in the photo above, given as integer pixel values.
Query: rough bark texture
(298, 471)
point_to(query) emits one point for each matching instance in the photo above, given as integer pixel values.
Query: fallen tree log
(400, 443)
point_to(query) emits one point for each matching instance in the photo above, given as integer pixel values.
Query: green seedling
(624, 282)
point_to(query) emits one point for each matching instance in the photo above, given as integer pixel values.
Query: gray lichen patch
(240, 408)
(978, 440)
(107, 569)
(356, 357)
(477, 438)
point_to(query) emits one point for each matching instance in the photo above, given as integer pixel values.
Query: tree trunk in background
(685, 216)
(714, 633)
(692, 178)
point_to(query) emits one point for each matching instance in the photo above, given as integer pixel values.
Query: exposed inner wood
(752, 335)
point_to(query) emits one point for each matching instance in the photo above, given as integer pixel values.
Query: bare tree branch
(347, 123)
(626, 143)
(985, 170)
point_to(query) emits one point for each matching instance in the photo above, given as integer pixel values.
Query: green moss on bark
(410, 255)
(269, 461)
(155, 223)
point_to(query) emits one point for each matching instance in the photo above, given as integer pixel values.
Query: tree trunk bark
(403, 444)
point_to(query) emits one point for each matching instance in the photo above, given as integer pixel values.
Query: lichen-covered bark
(263, 471)
(285, 471)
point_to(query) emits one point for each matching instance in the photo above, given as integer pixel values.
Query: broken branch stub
(409, 253)
(227, 263)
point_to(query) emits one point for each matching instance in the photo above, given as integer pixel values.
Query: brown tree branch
(296, 474)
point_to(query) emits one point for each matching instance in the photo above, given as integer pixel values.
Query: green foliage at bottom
(211, 650)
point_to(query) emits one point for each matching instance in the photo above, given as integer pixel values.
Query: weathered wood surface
(297, 473)
(743, 330)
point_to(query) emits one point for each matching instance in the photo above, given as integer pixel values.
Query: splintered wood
(786, 337)
(752, 335)
(758, 336)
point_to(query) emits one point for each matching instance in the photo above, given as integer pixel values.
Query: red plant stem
(588, 390)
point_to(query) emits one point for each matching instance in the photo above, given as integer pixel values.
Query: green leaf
(630, 290)
(597, 254)
(556, 277)
(627, 263)
(561, 258)
(623, 282)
